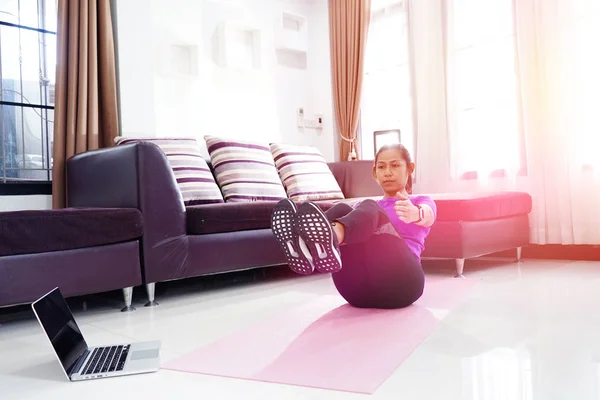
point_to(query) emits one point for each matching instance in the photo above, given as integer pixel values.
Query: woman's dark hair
(405, 155)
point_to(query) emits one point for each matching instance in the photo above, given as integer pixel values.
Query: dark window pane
(9, 67)
(9, 136)
(24, 146)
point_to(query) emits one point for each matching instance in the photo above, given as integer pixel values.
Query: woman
(373, 249)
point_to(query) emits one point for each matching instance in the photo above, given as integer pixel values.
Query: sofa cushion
(245, 171)
(481, 206)
(229, 217)
(39, 231)
(305, 173)
(232, 217)
(194, 178)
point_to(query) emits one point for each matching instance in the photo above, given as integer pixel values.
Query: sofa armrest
(355, 178)
(104, 178)
(136, 175)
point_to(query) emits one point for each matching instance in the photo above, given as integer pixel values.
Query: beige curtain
(348, 28)
(86, 114)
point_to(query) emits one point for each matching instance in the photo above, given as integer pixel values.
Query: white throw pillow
(305, 173)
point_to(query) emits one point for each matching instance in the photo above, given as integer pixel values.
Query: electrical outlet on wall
(300, 118)
(314, 123)
(319, 121)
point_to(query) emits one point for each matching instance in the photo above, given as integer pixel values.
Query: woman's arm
(409, 213)
(428, 217)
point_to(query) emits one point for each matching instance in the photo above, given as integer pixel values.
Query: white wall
(252, 104)
(319, 76)
(135, 66)
(35, 202)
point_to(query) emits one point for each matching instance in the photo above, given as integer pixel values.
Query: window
(482, 89)
(386, 99)
(27, 78)
(579, 82)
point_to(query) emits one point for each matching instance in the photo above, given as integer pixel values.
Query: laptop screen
(60, 326)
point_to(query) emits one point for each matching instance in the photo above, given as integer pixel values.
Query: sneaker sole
(315, 229)
(282, 226)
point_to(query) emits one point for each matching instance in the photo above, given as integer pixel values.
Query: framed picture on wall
(381, 138)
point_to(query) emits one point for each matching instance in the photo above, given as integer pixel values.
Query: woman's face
(391, 171)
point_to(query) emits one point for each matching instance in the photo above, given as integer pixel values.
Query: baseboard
(556, 251)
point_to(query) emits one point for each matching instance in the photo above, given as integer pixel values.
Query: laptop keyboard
(106, 359)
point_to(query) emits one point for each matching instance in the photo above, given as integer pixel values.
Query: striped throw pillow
(245, 171)
(194, 178)
(305, 173)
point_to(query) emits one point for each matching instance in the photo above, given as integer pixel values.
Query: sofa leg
(460, 265)
(150, 292)
(519, 254)
(128, 296)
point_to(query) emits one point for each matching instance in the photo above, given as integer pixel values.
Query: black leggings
(379, 270)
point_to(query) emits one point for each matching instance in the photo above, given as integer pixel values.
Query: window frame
(502, 173)
(386, 9)
(23, 186)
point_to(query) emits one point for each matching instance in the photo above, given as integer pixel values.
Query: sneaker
(314, 228)
(296, 252)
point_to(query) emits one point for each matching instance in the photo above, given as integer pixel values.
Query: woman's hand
(405, 210)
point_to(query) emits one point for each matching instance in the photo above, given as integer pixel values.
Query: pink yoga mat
(327, 343)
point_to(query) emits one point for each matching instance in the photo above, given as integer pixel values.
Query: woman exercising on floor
(378, 243)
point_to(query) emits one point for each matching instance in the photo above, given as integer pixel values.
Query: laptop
(78, 360)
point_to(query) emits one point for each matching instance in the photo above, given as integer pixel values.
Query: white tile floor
(528, 331)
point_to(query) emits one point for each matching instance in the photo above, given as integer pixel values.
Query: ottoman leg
(128, 297)
(519, 254)
(460, 265)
